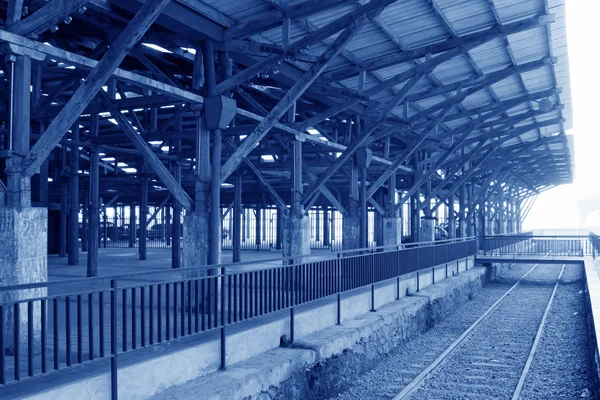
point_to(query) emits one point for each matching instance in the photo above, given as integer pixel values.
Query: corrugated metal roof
(411, 24)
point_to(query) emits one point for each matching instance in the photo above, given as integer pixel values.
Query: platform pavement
(116, 261)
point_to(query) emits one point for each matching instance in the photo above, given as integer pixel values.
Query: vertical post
(462, 213)
(94, 222)
(326, 234)
(143, 214)
(176, 225)
(364, 226)
(279, 231)
(132, 225)
(113, 341)
(104, 222)
(84, 221)
(215, 183)
(237, 223)
(74, 198)
(317, 225)
(258, 228)
(167, 214)
(64, 204)
(19, 188)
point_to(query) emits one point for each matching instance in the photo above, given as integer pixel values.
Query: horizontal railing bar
(131, 275)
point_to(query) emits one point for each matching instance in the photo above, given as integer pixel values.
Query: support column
(518, 226)
(391, 229)
(278, 233)
(427, 233)
(326, 231)
(143, 253)
(64, 204)
(237, 222)
(258, 229)
(176, 256)
(415, 215)
(501, 216)
(296, 225)
(94, 212)
(364, 218)
(451, 218)
(471, 224)
(84, 221)
(132, 226)
(351, 221)
(24, 229)
(317, 225)
(214, 253)
(196, 224)
(168, 232)
(462, 223)
(483, 220)
(74, 198)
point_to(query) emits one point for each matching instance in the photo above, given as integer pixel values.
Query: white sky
(558, 207)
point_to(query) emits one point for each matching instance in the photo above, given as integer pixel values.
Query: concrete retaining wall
(592, 274)
(322, 363)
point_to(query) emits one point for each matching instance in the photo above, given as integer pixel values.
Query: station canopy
(456, 90)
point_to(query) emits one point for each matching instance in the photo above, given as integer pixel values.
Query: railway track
(491, 359)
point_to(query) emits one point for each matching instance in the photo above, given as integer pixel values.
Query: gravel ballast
(488, 364)
(403, 364)
(561, 368)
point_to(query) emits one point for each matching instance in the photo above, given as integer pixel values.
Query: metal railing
(51, 326)
(547, 245)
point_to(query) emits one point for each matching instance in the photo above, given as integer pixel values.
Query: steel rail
(416, 383)
(536, 342)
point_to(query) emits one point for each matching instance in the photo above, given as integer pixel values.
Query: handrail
(133, 275)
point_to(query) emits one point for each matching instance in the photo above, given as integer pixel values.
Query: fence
(546, 245)
(259, 227)
(55, 325)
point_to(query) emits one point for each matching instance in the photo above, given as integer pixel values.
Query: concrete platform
(146, 372)
(115, 261)
(592, 273)
(325, 357)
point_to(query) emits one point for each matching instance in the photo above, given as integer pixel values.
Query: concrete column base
(392, 231)
(451, 228)
(427, 233)
(23, 259)
(350, 233)
(296, 236)
(195, 240)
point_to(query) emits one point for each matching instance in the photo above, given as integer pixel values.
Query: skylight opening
(157, 48)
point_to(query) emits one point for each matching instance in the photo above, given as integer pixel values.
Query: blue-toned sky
(559, 207)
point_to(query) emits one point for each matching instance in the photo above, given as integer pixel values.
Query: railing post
(372, 284)
(113, 340)
(339, 291)
(293, 301)
(223, 333)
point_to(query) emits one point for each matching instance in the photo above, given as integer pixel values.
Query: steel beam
(140, 23)
(292, 95)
